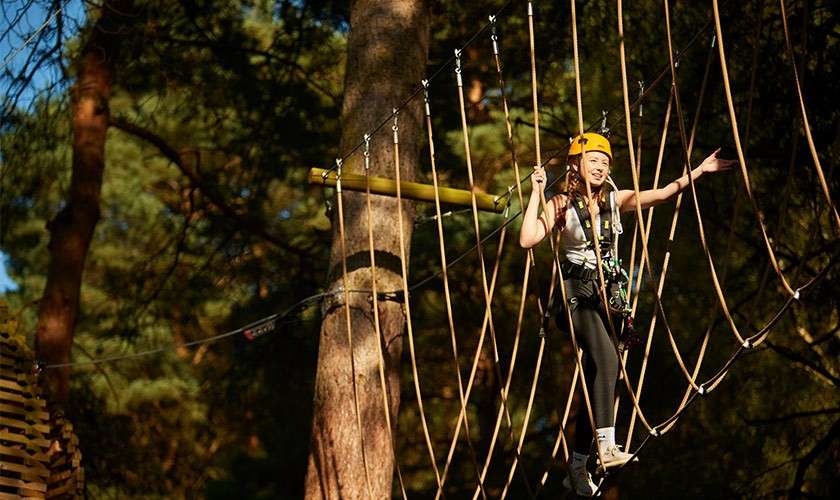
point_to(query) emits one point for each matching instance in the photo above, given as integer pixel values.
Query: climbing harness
(615, 277)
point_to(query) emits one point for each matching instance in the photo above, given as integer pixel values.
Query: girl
(578, 216)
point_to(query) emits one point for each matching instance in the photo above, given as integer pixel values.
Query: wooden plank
(12, 351)
(9, 396)
(25, 471)
(7, 496)
(61, 490)
(8, 372)
(18, 438)
(37, 457)
(22, 425)
(60, 476)
(17, 483)
(13, 385)
(18, 410)
(22, 493)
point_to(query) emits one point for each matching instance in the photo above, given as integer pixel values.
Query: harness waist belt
(577, 271)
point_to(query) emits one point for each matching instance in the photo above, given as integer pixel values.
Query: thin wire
(268, 319)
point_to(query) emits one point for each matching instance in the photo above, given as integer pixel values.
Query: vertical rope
(447, 296)
(805, 122)
(515, 164)
(487, 299)
(700, 226)
(386, 406)
(409, 327)
(346, 294)
(733, 120)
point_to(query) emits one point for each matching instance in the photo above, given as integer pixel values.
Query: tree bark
(386, 60)
(72, 228)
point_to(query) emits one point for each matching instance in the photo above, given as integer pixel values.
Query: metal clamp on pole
(338, 163)
(494, 37)
(458, 67)
(641, 93)
(425, 84)
(396, 127)
(366, 153)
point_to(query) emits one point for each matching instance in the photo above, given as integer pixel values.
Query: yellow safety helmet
(590, 141)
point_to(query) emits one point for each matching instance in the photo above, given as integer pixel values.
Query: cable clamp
(747, 344)
(641, 93)
(655, 432)
(796, 294)
(332, 299)
(458, 67)
(530, 8)
(494, 37)
(604, 130)
(395, 127)
(366, 152)
(701, 390)
(425, 84)
(338, 163)
(38, 367)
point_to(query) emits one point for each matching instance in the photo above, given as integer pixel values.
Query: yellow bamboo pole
(410, 190)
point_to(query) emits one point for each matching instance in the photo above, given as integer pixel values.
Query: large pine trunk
(72, 228)
(386, 59)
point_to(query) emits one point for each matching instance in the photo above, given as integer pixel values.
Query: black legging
(600, 362)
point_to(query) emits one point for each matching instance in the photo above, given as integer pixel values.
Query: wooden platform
(39, 456)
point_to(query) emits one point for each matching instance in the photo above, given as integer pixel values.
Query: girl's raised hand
(713, 163)
(538, 179)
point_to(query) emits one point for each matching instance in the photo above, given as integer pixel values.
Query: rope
(733, 120)
(409, 327)
(518, 328)
(449, 314)
(386, 406)
(418, 89)
(805, 122)
(487, 297)
(343, 250)
(538, 160)
(635, 297)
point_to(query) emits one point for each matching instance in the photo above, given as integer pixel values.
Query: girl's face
(595, 167)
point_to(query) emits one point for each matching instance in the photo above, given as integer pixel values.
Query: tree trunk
(72, 228)
(386, 59)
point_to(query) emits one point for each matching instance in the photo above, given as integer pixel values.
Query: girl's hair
(576, 186)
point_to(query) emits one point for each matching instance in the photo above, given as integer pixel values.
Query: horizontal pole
(409, 190)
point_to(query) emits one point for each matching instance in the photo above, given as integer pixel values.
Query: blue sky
(26, 18)
(6, 283)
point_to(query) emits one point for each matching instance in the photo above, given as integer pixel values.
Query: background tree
(386, 54)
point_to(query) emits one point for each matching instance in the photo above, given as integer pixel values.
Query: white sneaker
(580, 481)
(613, 457)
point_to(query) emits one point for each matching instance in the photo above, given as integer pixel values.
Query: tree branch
(792, 416)
(251, 224)
(810, 365)
(806, 461)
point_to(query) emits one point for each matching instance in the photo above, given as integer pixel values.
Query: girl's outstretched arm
(626, 198)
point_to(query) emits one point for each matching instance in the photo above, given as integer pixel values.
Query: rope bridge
(694, 386)
(640, 260)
